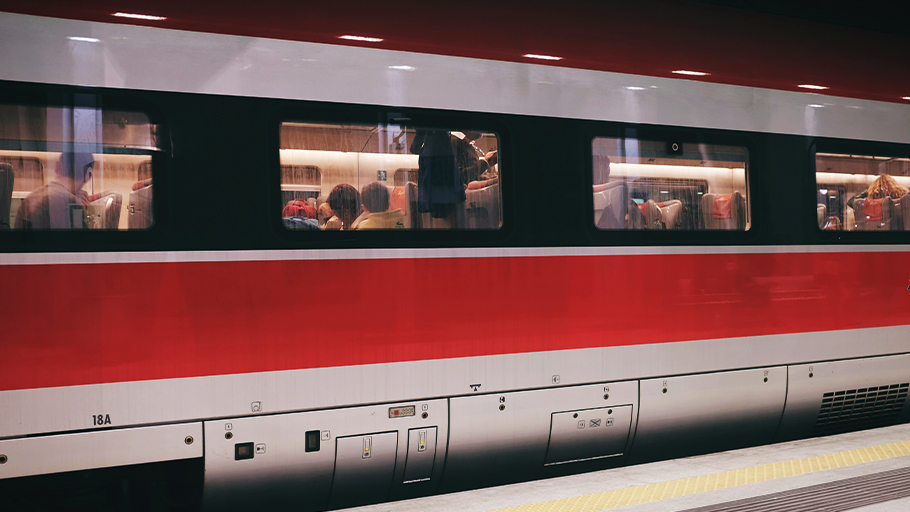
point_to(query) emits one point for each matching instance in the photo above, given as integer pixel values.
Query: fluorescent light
(541, 57)
(403, 68)
(148, 17)
(813, 87)
(84, 39)
(905, 98)
(361, 38)
(635, 88)
(815, 105)
(690, 73)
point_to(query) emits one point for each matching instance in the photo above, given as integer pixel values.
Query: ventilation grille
(858, 409)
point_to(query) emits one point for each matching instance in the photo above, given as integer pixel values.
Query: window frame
(63, 96)
(682, 135)
(323, 113)
(850, 147)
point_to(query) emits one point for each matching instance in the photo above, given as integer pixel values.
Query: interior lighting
(147, 17)
(635, 88)
(403, 68)
(541, 57)
(84, 39)
(815, 105)
(365, 39)
(690, 73)
(813, 87)
(905, 98)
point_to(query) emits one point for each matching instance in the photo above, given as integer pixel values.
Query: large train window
(862, 192)
(650, 185)
(386, 176)
(75, 167)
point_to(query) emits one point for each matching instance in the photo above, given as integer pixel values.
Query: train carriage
(589, 248)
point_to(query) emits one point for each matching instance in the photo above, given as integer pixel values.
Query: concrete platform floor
(527, 494)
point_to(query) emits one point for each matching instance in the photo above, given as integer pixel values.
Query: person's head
(325, 212)
(885, 186)
(471, 136)
(75, 167)
(345, 201)
(375, 197)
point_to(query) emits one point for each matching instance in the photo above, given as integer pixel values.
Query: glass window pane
(387, 176)
(75, 167)
(656, 185)
(862, 192)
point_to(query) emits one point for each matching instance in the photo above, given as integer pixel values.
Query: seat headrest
(872, 209)
(723, 206)
(141, 184)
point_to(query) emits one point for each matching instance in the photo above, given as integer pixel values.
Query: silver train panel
(828, 397)
(680, 416)
(100, 449)
(505, 436)
(312, 460)
(63, 409)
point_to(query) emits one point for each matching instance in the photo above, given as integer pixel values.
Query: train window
(640, 184)
(75, 167)
(862, 192)
(386, 176)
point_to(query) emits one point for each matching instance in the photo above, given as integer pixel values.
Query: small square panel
(243, 451)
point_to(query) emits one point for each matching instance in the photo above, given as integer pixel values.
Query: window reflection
(862, 192)
(388, 177)
(650, 185)
(76, 167)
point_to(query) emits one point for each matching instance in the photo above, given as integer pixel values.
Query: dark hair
(345, 201)
(375, 197)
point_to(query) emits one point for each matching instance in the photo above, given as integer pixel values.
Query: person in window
(473, 163)
(883, 186)
(61, 203)
(375, 197)
(439, 182)
(344, 200)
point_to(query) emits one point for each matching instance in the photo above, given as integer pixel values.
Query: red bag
(299, 208)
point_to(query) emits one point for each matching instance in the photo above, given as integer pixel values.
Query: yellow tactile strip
(716, 481)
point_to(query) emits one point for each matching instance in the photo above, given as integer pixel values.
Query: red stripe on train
(83, 324)
(645, 37)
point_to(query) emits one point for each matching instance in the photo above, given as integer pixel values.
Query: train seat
(398, 200)
(666, 211)
(726, 211)
(874, 214)
(821, 214)
(482, 205)
(610, 205)
(104, 209)
(7, 178)
(140, 206)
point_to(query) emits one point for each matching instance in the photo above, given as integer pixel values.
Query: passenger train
(315, 257)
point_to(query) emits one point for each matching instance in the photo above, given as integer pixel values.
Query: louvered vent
(857, 409)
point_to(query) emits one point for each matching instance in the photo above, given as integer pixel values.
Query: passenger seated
(344, 200)
(883, 186)
(324, 213)
(61, 204)
(375, 197)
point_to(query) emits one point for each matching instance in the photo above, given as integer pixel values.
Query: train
(319, 256)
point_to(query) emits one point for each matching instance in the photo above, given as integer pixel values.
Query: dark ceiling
(891, 17)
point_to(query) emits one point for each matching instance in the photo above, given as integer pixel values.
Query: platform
(866, 471)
